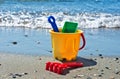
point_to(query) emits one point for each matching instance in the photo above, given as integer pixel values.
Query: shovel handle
(84, 42)
(51, 20)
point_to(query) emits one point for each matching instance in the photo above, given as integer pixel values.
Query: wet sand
(38, 41)
(13, 66)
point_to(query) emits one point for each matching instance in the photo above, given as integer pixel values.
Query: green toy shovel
(69, 27)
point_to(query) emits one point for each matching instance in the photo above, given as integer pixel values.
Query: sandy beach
(26, 46)
(26, 56)
(14, 66)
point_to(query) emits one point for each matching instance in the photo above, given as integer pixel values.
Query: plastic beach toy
(51, 20)
(60, 68)
(65, 46)
(66, 41)
(69, 27)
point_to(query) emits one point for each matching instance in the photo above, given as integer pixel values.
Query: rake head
(59, 68)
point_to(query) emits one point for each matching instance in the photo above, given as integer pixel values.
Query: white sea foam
(39, 20)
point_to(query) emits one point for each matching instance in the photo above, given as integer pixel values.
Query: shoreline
(38, 42)
(33, 67)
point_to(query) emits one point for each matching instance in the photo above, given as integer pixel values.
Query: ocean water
(34, 13)
(22, 24)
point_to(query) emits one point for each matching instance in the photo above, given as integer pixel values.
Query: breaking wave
(39, 20)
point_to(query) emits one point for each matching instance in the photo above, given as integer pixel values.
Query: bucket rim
(78, 32)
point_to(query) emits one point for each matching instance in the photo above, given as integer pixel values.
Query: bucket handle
(84, 42)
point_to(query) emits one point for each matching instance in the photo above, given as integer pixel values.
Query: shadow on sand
(86, 63)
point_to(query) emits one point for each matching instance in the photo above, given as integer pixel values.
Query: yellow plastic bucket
(65, 46)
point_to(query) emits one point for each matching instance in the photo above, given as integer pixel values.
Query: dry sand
(33, 67)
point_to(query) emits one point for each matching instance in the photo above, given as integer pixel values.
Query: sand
(14, 66)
